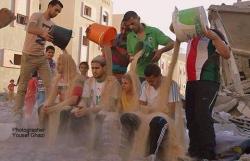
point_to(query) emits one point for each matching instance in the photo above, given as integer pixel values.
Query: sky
(158, 13)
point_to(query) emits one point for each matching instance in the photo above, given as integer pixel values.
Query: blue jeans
(40, 98)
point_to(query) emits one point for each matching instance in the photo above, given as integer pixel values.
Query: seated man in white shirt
(100, 96)
(101, 92)
(149, 93)
(150, 89)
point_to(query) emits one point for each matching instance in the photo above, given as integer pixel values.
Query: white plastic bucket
(189, 23)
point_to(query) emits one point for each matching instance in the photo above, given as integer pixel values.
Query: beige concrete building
(76, 15)
(117, 19)
(12, 39)
(180, 69)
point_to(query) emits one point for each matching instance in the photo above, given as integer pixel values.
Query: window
(21, 8)
(87, 10)
(85, 41)
(105, 17)
(22, 19)
(84, 46)
(17, 59)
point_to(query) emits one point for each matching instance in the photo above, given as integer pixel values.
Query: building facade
(179, 74)
(76, 15)
(12, 39)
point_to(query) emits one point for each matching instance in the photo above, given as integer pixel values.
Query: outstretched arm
(219, 44)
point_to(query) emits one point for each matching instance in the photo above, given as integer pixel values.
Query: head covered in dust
(127, 85)
(66, 66)
(132, 21)
(98, 66)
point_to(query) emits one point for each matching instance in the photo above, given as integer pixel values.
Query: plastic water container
(189, 23)
(61, 36)
(101, 34)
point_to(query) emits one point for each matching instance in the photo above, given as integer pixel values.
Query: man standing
(33, 57)
(203, 66)
(120, 57)
(147, 38)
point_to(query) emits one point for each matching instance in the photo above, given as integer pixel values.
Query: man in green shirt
(147, 38)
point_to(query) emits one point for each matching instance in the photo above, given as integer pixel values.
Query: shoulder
(36, 15)
(112, 79)
(152, 29)
(144, 84)
(89, 82)
(174, 83)
(79, 79)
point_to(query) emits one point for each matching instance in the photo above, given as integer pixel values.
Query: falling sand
(105, 134)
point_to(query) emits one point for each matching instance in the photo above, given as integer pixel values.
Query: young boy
(83, 68)
(49, 53)
(11, 88)
(30, 97)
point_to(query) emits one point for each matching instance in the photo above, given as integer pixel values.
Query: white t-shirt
(149, 93)
(93, 89)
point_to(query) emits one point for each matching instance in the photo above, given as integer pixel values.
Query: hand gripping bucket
(189, 23)
(61, 36)
(101, 34)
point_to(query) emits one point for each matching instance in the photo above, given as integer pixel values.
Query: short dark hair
(55, 2)
(152, 70)
(50, 47)
(129, 14)
(84, 63)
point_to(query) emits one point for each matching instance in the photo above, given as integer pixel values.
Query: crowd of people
(66, 95)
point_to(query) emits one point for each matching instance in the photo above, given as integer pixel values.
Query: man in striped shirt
(150, 89)
(149, 93)
(203, 77)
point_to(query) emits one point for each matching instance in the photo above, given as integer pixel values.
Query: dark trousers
(200, 99)
(78, 126)
(156, 125)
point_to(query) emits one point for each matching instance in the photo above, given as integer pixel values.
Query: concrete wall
(11, 42)
(117, 19)
(6, 75)
(179, 74)
(12, 37)
(71, 18)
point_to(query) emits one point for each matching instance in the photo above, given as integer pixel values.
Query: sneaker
(151, 157)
